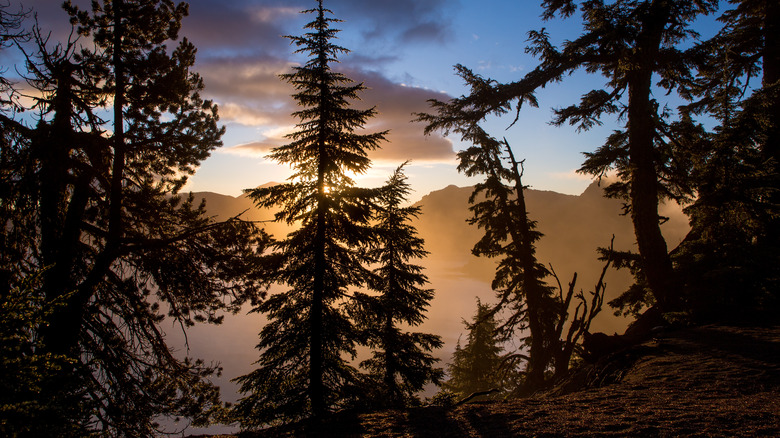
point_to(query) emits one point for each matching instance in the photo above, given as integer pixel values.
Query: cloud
(396, 105)
(253, 150)
(399, 21)
(243, 115)
(241, 53)
(244, 78)
(410, 144)
(268, 15)
(248, 90)
(219, 27)
(270, 138)
(250, 93)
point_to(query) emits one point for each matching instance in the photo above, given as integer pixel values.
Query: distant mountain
(573, 227)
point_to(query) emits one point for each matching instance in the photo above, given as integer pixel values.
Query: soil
(704, 381)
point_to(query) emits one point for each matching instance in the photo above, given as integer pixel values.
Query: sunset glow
(225, 213)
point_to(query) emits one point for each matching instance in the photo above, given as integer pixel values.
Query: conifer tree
(730, 258)
(96, 215)
(499, 208)
(401, 363)
(478, 366)
(629, 43)
(303, 369)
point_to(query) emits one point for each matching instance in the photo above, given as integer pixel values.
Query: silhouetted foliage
(730, 261)
(571, 327)
(531, 309)
(401, 363)
(25, 370)
(303, 368)
(480, 364)
(727, 266)
(628, 43)
(93, 209)
(499, 209)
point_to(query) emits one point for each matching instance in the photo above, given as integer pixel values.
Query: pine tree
(511, 235)
(478, 366)
(95, 213)
(628, 43)
(303, 369)
(401, 363)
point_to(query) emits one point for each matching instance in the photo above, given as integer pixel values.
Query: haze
(574, 226)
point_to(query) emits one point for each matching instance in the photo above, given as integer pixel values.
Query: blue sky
(404, 51)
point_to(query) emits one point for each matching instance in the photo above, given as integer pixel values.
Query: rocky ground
(705, 381)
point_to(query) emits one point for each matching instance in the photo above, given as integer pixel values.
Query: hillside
(705, 381)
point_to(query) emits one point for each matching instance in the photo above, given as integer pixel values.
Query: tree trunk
(532, 289)
(59, 335)
(390, 368)
(315, 373)
(656, 263)
(118, 165)
(316, 387)
(64, 199)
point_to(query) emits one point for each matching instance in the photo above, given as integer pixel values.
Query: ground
(704, 381)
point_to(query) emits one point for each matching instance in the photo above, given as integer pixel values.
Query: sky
(404, 52)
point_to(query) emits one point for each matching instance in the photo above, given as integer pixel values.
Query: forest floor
(704, 381)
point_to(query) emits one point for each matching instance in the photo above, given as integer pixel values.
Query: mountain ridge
(573, 227)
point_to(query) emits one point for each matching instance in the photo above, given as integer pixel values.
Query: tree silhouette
(303, 369)
(628, 43)
(401, 363)
(530, 306)
(479, 365)
(499, 208)
(729, 259)
(95, 214)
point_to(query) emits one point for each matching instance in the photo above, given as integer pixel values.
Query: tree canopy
(303, 369)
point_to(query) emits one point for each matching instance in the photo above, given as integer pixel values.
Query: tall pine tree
(303, 369)
(499, 209)
(401, 363)
(730, 260)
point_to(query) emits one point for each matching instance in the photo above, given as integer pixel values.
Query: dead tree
(579, 323)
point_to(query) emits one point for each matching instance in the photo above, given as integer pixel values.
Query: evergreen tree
(401, 363)
(628, 42)
(478, 366)
(729, 258)
(303, 369)
(511, 235)
(94, 211)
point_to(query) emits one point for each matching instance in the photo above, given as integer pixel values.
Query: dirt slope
(705, 381)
